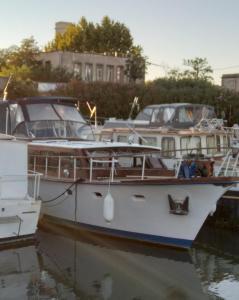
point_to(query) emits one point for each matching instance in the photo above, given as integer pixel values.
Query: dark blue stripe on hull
(174, 242)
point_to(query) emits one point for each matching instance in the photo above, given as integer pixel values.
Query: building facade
(231, 82)
(86, 66)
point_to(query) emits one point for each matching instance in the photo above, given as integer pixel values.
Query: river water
(63, 265)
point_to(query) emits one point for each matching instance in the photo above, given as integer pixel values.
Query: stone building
(231, 82)
(87, 66)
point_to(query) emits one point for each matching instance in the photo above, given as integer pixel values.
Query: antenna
(92, 112)
(5, 92)
(134, 104)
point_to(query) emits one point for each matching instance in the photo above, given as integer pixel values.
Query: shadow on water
(65, 266)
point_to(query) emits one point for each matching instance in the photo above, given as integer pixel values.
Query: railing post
(46, 165)
(112, 169)
(91, 164)
(143, 168)
(74, 174)
(59, 167)
(34, 164)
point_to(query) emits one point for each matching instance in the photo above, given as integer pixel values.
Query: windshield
(47, 120)
(54, 129)
(48, 111)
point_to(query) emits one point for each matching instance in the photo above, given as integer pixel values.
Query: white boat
(178, 129)
(124, 190)
(19, 210)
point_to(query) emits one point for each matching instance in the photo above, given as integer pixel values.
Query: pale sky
(169, 31)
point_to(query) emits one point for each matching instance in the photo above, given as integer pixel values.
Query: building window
(168, 147)
(99, 72)
(77, 70)
(120, 74)
(110, 73)
(88, 72)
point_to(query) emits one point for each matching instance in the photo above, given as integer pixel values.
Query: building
(231, 82)
(87, 66)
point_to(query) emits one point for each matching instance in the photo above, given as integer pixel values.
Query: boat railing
(229, 165)
(72, 167)
(25, 187)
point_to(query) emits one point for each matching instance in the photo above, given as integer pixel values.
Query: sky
(168, 30)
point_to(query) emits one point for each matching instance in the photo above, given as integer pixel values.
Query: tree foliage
(199, 69)
(106, 37)
(136, 64)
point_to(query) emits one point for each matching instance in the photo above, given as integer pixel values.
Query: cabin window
(41, 111)
(4, 116)
(163, 115)
(218, 143)
(211, 144)
(149, 141)
(226, 143)
(67, 112)
(145, 115)
(168, 147)
(122, 138)
(190, 145)
(185, 115)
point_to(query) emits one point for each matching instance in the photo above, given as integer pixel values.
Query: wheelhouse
(177, 115)
(43, 117)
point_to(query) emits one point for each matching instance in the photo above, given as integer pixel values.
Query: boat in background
(19, 208)
(180, 130)
(125, 190)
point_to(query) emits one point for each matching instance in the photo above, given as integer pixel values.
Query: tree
(108, 36)
(199, 68)
(136, 64)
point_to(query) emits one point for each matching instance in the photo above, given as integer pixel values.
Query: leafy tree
(199, 68)
(108, 36)
(136, 64)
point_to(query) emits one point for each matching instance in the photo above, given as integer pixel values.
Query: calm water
(63, 265)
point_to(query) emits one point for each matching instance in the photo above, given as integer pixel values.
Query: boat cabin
(62, 160)
(43, 117)
(178, 129)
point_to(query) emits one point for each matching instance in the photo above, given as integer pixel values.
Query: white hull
(18, 218)
(139, 211)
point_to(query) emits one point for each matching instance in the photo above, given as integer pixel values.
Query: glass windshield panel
(67, 112)
(185, 115)
(41, 111)
(145, 114)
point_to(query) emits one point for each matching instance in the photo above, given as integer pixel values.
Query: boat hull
(18, 219)
(140, 211)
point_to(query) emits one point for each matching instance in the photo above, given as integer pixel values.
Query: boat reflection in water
(216, 258)
(63, 267)
(110, 269)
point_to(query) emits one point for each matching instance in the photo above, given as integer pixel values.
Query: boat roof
(176, 105)
(6, 137)
(89, 144)
(42, 99)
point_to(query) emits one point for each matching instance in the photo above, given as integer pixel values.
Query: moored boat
(19, 208)
(126, 190)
